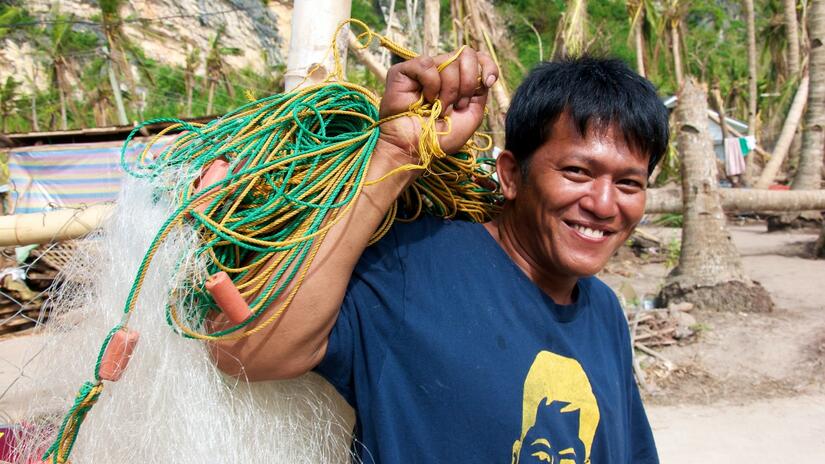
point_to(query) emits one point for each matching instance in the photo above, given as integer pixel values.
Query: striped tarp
(65, 176)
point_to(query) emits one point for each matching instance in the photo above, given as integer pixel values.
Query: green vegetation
(74, 54)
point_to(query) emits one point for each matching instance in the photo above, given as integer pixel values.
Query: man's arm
(297, 342)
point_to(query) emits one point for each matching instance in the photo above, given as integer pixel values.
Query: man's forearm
(297, 342)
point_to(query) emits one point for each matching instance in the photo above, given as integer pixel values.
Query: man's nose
(601, 200)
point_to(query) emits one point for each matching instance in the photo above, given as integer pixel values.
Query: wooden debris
(24, 301)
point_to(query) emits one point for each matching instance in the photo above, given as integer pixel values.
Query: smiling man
(492, 343)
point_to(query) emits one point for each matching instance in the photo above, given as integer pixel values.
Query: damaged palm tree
(710, 272)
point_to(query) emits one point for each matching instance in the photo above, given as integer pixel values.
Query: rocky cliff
(164, 29)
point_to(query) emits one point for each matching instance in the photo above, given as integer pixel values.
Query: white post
(313, 24)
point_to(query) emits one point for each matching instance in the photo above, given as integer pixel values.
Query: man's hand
(457, 87)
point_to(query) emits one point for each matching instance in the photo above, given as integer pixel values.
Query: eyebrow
(570, 451)
(541, 441)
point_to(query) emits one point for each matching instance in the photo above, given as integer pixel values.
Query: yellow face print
(559, 413)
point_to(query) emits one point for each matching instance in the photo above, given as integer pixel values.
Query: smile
(588, 232)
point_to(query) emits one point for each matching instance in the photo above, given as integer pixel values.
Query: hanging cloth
(734, 158)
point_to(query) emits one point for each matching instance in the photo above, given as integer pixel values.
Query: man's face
(581, 199)
(554, 438)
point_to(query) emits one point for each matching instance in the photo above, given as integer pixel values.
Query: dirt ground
(750, 387)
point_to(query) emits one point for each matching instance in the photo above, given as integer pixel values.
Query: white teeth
(589, 232)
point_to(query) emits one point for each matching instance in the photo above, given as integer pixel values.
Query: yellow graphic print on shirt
(559, 413)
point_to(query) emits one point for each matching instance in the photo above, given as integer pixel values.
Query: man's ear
(509, 174)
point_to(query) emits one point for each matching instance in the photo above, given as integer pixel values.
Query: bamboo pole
(52, 226)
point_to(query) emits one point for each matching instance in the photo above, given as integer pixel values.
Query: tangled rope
(293, 166)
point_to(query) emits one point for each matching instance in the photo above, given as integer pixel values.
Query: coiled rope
(297, 162)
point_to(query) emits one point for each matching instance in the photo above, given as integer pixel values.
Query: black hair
(596, 92)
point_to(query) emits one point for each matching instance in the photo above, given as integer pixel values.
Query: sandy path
(743, 350)
(788, 430)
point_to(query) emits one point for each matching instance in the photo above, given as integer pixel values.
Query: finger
(405, 81)
(450, 82)
(468, 64)
(423, 71)
(463, 123)
(489, 70)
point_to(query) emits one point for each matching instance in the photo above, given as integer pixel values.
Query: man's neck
(511, 239)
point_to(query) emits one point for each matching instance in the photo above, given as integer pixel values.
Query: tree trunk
(783, 143)
(669, 200)
(432, 26)
(792, 33)
(809, 175)
(121, 110)
(189, 91)
(750, 161)
(710, 273)
(64, 120)
(210, 97)
(366, 58)
(639, 40)
(33, 98)
(320, 20)
(677, 54)
(499, 92)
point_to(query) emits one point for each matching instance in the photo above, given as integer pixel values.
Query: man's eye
(631, 183)
(542, 456)
(575, 170)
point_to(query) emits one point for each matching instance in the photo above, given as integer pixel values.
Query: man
(461, 342)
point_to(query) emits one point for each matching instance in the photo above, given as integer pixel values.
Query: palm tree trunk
(783, 144)
(677, 54)
(669, 200)
(500, 93)
(212, 85)
(639, 40)
(121, 110)
(750, 161)
(64, 120)
(710, 272)
(792, 32)
(809, 175)
(432, 26)
(366, 58)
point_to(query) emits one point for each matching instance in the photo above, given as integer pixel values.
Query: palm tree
(809, 175)
(58, 50)
(121, 51)
(636, 11)
(192, 59)
(750, 19)
(215, 73)
(710, 272)
(792, 33)
(572, 34)
(8, 101)
(674, 11)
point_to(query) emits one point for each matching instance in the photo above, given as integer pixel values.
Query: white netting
(172, 405)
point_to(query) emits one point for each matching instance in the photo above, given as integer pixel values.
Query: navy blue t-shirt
(450, 354)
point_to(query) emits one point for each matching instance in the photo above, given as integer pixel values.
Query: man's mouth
(590, 232)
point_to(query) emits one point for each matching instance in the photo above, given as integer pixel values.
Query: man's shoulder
(429, 231)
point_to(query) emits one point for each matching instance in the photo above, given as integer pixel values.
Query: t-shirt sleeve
(337, 365)
(643, 447)
(372, 306)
